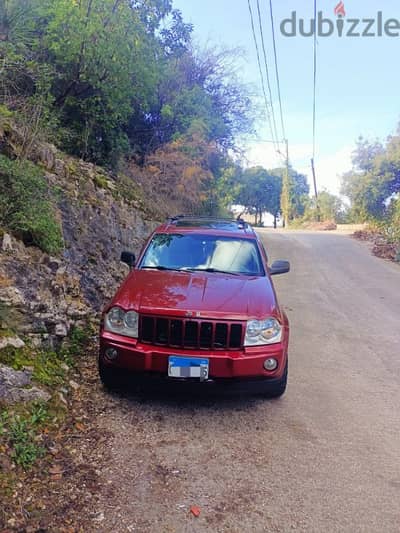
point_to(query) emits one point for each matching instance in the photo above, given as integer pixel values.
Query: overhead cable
(267, 104)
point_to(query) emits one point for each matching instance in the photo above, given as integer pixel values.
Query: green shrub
(23, 425)
(75, 344)
(47, 365)
(26, 208)
(5, 112)
(21, 431)
(395, 220)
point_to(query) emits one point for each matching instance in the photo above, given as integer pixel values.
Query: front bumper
(226, 367)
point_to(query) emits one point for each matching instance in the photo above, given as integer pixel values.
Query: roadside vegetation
(373, 188)
(120, 84)
(37, 438)
(26, 206)
(21, 424)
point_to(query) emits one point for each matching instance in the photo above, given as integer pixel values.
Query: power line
(262, 76)
(276, 68)
(266, 69)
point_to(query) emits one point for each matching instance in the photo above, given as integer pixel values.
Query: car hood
(208, 295)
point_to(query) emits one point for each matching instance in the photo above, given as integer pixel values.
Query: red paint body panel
(211, 295)
(139, 357)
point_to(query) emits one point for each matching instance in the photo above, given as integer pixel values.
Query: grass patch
(5, 112)
(48, 367)
(26, 207)
(74, 344)
(128, 190)
(101, 181)
(23, 426)
(20, 432)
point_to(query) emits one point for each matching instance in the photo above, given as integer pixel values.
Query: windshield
(212, 253)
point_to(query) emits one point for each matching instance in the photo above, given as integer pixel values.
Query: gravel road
(324, 458)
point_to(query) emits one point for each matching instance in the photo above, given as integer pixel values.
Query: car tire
(278, 388)
(109, 376)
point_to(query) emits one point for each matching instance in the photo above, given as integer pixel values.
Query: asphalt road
(324, 458)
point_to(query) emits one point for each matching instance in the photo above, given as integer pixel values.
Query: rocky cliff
(43, 296)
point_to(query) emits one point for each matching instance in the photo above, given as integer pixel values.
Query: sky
(358, 78)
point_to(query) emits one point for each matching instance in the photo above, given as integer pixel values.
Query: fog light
(111, 354)
(270, 364)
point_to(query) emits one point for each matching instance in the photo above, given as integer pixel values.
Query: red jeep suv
(198, 307)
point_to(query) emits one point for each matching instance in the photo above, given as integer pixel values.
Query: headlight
(118, 321)
(258, 332)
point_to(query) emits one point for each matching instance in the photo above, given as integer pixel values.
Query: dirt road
(324, 458)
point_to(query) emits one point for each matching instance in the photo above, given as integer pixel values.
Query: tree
(275, 193)
(97, 52)
(374, 179)
(195, 86)
(295, 193)
(286, 194)
(117, 77)
(260, 192)
(181, 173)
(365, 153)
(330, 208)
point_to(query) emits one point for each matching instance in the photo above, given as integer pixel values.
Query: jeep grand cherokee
(198, 307)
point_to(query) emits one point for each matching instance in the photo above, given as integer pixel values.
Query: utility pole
(315, 190)
(285, 198)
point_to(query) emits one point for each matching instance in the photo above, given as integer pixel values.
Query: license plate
(188, 367)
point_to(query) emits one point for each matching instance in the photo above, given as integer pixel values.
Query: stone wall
(45, 296)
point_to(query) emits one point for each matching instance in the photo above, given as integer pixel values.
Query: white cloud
(329, 168)
(265, 155)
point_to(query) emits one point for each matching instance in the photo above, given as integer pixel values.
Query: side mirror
(279, 267)
(128, 258)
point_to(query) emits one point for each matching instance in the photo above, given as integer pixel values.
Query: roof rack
(200, 217)
(185, 220)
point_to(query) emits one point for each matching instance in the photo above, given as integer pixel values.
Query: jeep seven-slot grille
(189, 333)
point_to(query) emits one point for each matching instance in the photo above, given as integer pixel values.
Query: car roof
(207, 225)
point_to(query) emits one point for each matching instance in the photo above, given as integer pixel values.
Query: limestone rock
(14, 386)
(11, 296)
(53, 263)
(15, 342)
(7, 245)
(36, 340)
(59, 167)
(62, 398)
(47, 156)
(73, 384)
(61, 330)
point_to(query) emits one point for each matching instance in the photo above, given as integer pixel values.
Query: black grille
(192, 334)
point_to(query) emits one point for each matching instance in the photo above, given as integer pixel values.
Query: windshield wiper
(216, 270)
(161, 267)
(209, 269)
